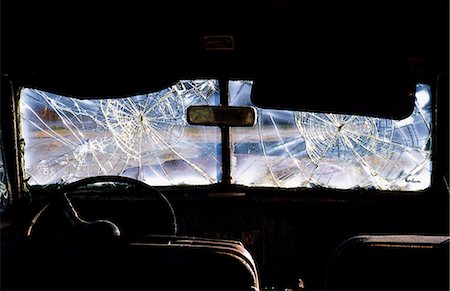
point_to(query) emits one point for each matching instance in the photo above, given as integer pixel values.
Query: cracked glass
(145, 137)
(289, 149)
(4, 193)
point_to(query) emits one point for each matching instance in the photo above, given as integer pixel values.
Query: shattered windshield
(301, 149)
(145, 137)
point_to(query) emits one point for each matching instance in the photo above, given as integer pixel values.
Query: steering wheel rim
(66, 189)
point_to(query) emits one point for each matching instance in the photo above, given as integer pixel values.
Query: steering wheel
(61, 200)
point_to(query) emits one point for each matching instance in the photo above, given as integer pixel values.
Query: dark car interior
(224, 145)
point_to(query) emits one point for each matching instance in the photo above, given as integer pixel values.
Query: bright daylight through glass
(145, 137)
(299, 149)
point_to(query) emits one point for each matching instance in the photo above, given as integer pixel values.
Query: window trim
(225, 185)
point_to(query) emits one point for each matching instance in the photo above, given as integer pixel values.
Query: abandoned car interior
(224, 145)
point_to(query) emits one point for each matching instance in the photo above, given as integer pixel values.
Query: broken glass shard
(145, 137)
(289, 149)
(4, 193)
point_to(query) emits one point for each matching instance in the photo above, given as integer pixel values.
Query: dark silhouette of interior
(338, 56)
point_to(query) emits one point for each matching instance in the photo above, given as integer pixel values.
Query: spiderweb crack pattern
(305, 149)
(145, 136)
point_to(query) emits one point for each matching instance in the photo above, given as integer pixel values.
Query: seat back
(155, 262)
(406, 262)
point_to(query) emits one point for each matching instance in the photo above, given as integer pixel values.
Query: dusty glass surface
(299, 149)
(145, 137)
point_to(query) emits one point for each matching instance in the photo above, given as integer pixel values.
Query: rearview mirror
(221, 115)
